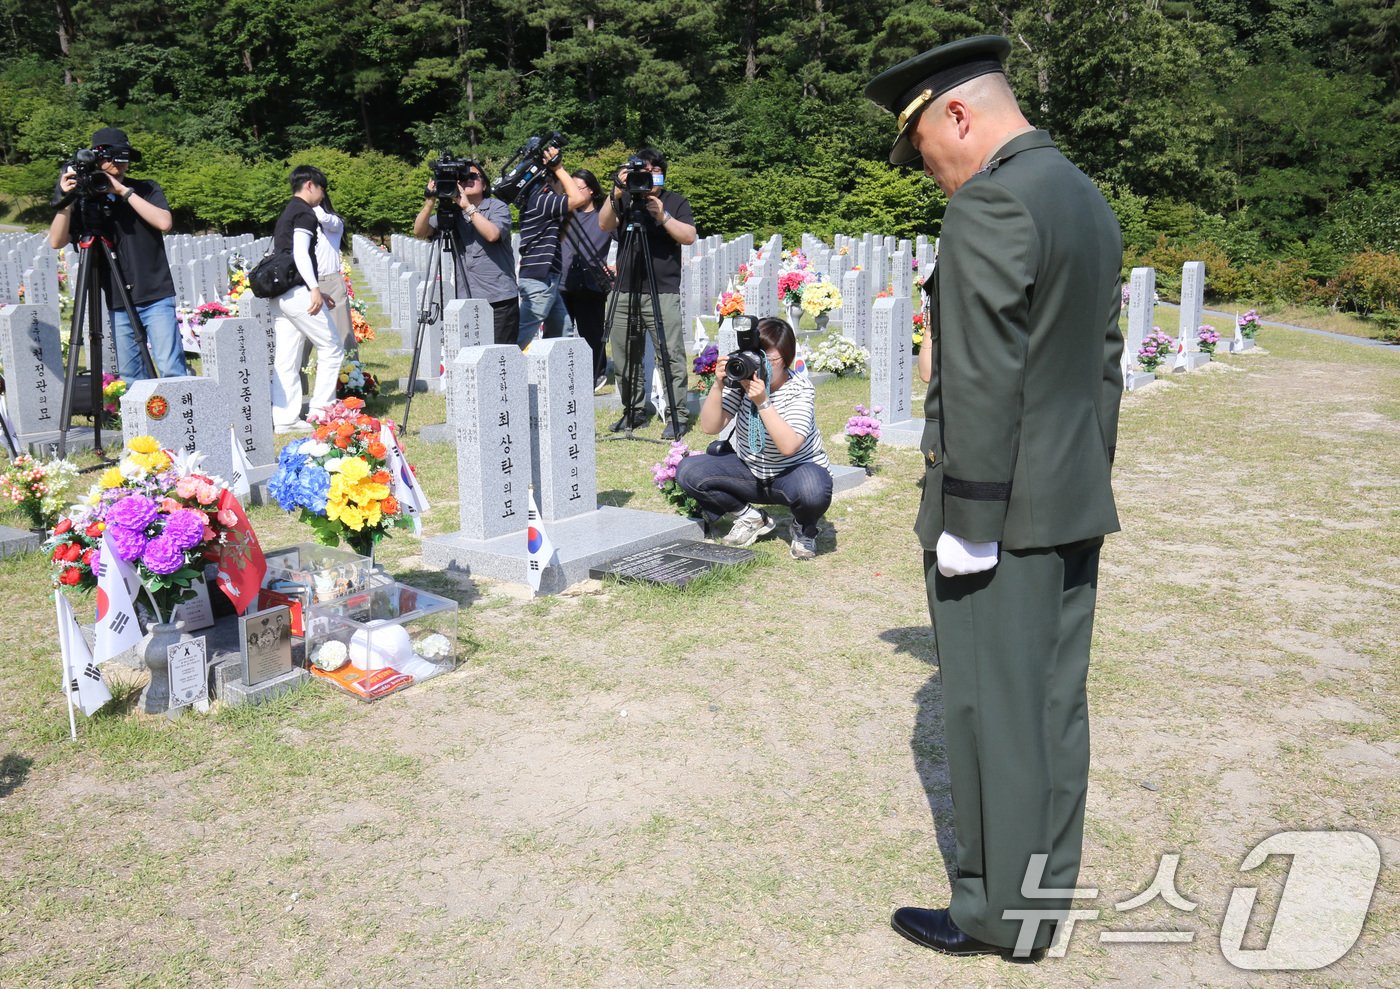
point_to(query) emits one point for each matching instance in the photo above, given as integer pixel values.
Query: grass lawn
(734, 786)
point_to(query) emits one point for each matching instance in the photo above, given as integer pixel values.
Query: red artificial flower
(71, 551)
(58, 552)
(70, 576)
(95, 530)
(62, 527)
(87, 557)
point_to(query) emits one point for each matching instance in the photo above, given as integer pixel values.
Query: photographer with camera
(303, 313)
(95, 198)
(482, 257)
(586, 277)
(545, 205)
(775, 454)
(667, 224)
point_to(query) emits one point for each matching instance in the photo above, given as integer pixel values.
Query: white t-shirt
(796, 403)
(328, 244)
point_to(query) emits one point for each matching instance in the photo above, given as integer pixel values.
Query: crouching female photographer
(775, 455)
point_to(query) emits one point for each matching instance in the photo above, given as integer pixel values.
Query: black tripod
(96, 254)
(633, 247)
(431, 306)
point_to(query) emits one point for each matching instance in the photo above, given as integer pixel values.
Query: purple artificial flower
(185, 528)
(163, 556)
(132, 512)
(128, 543)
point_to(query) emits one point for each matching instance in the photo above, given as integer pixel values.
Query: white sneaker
(803, 547)
(747, 529)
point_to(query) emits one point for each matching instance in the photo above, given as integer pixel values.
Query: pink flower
(185, 487)
(227, 517)
(206, 493)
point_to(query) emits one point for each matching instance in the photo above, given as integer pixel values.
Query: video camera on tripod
(527, 167)
(91, 180)
(450, 174)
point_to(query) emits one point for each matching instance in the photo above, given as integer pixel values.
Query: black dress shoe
(935, 929)
(669, 434)
(635, 420)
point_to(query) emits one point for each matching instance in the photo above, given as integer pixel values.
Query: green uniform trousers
(631, 389)
(1013, 654)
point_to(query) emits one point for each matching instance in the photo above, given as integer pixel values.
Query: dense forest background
(1261, 136)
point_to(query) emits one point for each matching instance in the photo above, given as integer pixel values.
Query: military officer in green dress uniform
(1024, 379)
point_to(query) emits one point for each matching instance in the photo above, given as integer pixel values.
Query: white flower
(186, 462)
(131, 471)
(333, 465)
(330, 655)
(434, 646)
(315, 448)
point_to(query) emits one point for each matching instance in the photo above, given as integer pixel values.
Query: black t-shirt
(665, 252)
(296, 215)
(140, 247)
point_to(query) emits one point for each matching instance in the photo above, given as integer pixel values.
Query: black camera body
(527, 167)
(450, 174)
(637, 178)
(88, 174)
(744, 363)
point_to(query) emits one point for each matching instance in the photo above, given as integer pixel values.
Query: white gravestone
(891, 357)
(33, 360)
(182, 413)
(493, 440)
(855, 301)
(234, 353)
(561, 419)
(1193, 287)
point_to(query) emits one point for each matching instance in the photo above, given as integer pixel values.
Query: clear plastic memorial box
(381, 639)
(327, 572)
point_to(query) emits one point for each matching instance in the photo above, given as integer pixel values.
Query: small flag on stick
(541, 550)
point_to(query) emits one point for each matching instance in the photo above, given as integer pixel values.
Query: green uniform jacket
(1022, 409)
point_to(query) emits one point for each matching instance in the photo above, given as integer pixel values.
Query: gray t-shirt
(485, 270)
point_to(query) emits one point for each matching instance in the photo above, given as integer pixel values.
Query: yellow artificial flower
(354, 469)
(112, 477)
(143, 444)
(373, 514)
(352, 518)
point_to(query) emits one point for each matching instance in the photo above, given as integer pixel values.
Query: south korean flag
(82, 680)
(115, 624)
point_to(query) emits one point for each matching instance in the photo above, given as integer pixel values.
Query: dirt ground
(735, 787)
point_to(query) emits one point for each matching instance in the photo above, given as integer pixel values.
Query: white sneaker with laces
(748, 527)
(803, 547)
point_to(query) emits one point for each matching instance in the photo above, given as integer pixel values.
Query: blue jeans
(723, 484)
(163, 335)
(540, 304)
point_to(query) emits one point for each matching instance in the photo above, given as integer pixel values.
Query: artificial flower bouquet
(791, 284)
(730, 304)
(1156, 347)
(1207, 339)
(339, 479)
(862, 437)
(159, 512)
(38, 488)
(704, 367)
(918, 337)
(1249, 324)
(663, 475)
(355, 381)
(838, 355)
(819, 298)
(359, 324)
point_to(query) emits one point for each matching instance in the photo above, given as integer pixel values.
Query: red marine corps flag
(241, 562)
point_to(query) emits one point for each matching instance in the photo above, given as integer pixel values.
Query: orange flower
(390, 505)
(380, 477)
(322, 432)
(342, 442)
(376, 449)
(344, 429)
(354, 403)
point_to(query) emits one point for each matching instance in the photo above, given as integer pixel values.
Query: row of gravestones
(1142, 301)
(231, 403)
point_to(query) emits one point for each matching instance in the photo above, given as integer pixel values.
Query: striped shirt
(796, 403)
(541, 217)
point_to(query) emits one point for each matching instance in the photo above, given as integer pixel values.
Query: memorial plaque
(189, 672)
(265, 640)
(182, 413)
(561, 419)
(676, 564)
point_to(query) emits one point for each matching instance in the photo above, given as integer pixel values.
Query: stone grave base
(908, 433)
(79, 438)
(1138, 380)
(845, 478)
(1193, 361)
(583, 542)
(1230, 348)
(15, 541)
(234, 692)
(437, 432)
(437, 383)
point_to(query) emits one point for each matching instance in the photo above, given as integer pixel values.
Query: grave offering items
(1248, 324)
(41, 489)
(819, 299)
(300, 576)
(862, 437)
(838, 355)
(193, 320)
(382, 639)
(663, 475)
(339, 480)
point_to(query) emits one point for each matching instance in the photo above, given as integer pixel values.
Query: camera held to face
(88, 174)
(638, 178)
(450, 174)
(747, 361)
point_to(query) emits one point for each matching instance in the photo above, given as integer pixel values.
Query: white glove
(957, 557)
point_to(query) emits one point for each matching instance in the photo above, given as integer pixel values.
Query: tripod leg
(662, 350)
(424, 317)
(81, 287)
